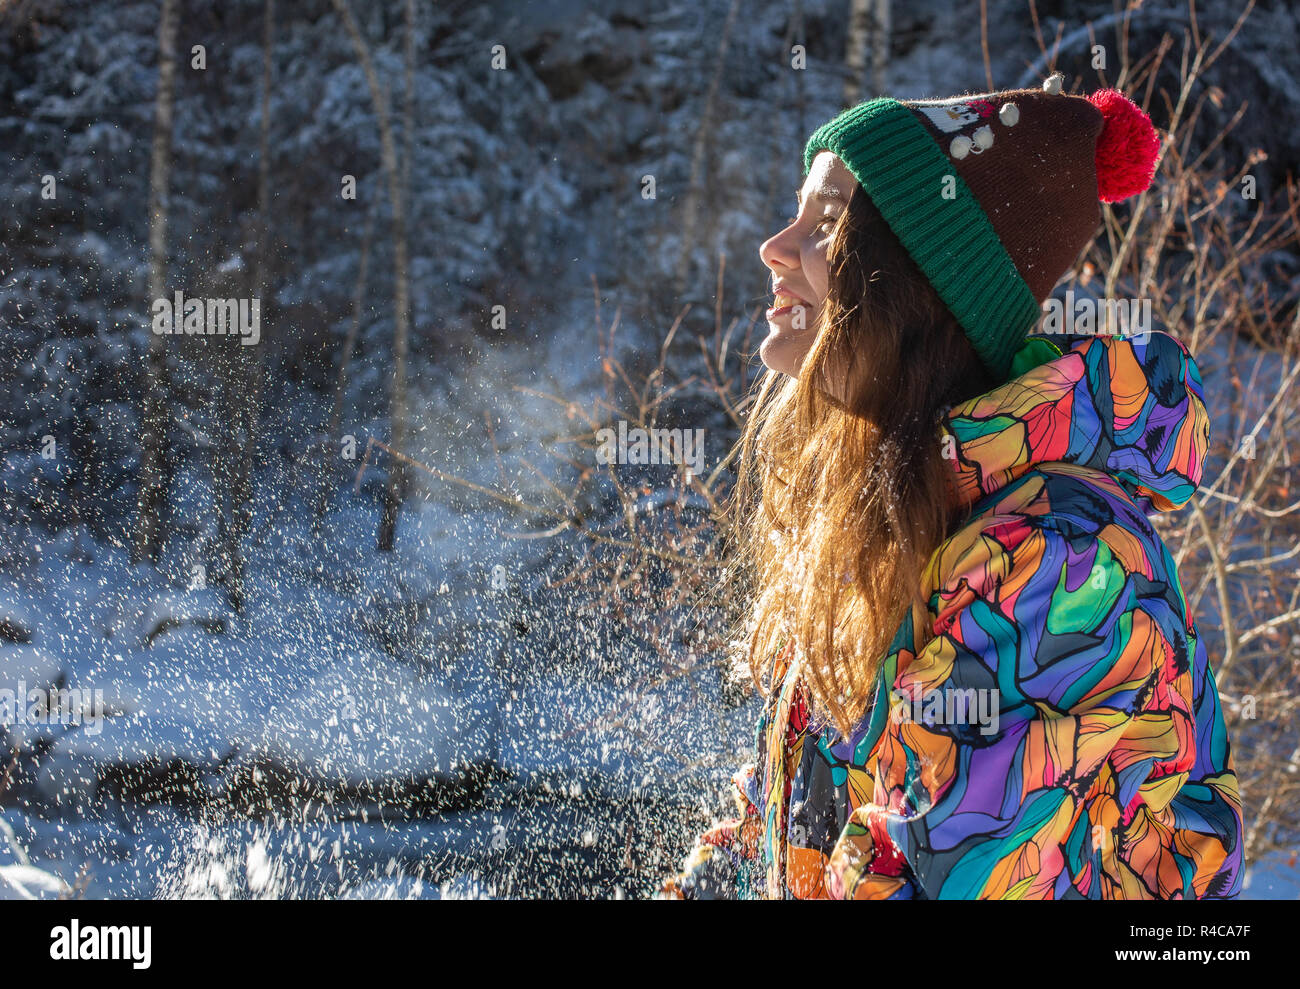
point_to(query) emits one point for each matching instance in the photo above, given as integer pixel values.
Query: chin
(767, 352)
(780, 354)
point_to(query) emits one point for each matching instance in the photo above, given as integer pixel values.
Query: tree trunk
(855, 50)
(694, 188)
(779, 159)
(397, 472)
(881, 28)
(249, 412)
(328, 449)
(869, 27)
(148, 537)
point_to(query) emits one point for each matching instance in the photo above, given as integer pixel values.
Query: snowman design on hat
(956, 116)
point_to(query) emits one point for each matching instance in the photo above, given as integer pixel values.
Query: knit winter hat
(994, 195)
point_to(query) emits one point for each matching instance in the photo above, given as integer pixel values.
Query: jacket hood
(1133, 407)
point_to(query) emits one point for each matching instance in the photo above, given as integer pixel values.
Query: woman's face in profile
(796, 256)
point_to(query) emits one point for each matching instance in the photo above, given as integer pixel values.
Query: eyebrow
(826, 193)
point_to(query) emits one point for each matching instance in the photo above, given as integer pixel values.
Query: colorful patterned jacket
(1076, 748)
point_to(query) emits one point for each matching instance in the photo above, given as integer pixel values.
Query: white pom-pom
(1009, 114)
(984, 138)
(1052, 84)
(960, 146)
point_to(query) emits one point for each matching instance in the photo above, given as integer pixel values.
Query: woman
(986, 681)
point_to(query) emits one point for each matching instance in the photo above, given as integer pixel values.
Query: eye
(828, 219)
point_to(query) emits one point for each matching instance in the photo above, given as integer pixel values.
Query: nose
(780, 252)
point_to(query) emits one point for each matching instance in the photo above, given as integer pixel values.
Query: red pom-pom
(1126, 149)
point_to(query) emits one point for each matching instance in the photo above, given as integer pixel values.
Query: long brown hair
(839, 505)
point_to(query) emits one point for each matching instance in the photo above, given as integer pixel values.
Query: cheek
(817, 271)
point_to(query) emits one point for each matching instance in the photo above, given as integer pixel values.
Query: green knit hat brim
(937, 219)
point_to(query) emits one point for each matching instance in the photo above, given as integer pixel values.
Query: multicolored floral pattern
(1108, 774)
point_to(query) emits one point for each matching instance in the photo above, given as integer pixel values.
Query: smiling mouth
(784, 302)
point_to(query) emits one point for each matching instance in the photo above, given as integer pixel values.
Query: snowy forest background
(493, 666)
